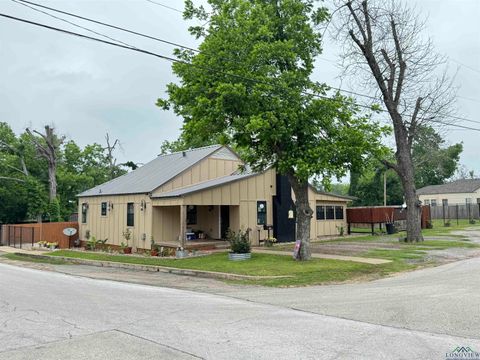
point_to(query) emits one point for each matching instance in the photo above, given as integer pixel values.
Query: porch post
(183, 224)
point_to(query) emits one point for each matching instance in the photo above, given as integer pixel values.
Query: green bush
(239, 242)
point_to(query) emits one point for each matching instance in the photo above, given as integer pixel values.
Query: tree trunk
(304, 216)
(52, 179)
(406, 172)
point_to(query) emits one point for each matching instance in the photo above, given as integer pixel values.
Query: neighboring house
(465, 191)
(200, 191)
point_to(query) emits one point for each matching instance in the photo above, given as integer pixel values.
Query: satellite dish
(70, 231)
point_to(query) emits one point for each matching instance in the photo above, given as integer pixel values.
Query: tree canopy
(24, 180)
(250, 85)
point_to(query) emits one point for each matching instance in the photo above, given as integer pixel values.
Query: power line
(109, 25)
(204, 68)
(166, 41)
(464, 65)
(89, 37)
(165, 6)
(71, 23)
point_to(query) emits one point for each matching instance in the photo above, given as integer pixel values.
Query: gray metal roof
(150, 176)
(203, 186)
(458, 186)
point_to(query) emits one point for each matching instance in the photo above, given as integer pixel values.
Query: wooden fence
(23, 235)
(371, 215)
(456, 211)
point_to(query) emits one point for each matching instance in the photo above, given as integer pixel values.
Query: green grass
(440, 229)
(52, 261)
(315, 271)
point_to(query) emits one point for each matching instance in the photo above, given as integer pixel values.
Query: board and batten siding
(320, 228)
(207, 169)
(112, 225)
(242, 193)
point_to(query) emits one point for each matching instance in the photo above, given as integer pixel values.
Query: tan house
(199, 194)
(461, 192)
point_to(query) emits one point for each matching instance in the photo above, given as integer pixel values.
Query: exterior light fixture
(290, 214)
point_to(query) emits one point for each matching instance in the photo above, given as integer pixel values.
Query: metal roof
(203, 186)
(150, 176)
(458, 186)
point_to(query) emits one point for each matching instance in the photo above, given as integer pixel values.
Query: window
(191, 215)
(433, 202)
(84, 213)
(339, 212)
(320, 212)
(444, 202)
(426, 201)
(104, 209)
(261, 212)
(130, 215)
(478, 200)
(330, 212)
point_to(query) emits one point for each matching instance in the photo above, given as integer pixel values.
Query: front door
(224, 220)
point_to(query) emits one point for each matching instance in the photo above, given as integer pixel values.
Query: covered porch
(192, 225)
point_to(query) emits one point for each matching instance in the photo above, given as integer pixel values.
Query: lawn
(404, 257)
(315, 271)
(52, 261)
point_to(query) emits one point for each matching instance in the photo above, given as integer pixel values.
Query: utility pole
(385, 188)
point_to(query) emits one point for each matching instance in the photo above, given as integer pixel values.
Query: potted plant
(153, 248)
(269, 241)
(127, 235)
(180, 252)
(239, 245)
(52, 245)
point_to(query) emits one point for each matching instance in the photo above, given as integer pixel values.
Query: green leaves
(250, 85)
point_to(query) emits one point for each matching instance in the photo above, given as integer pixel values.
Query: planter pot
(180, 253)
(390, 229)
(239, 257)
(127, 250)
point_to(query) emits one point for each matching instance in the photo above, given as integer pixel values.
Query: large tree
(250, 86)
(434, 162)
(24, 176)
(48, 146)
(386, 47)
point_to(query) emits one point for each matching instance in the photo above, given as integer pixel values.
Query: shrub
(239, 242)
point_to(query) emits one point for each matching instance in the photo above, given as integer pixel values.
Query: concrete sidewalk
(363, 260)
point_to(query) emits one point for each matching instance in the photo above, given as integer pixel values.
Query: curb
(156, 268)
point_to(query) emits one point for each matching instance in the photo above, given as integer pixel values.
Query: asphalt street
(48, 315)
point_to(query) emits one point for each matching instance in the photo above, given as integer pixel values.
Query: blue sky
(87, 89)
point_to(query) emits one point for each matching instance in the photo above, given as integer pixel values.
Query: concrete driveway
(47, 315)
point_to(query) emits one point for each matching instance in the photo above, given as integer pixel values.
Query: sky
(86, 89)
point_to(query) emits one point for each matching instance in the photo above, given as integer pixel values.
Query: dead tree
(384, 46)
(48, 149)
(112, 161)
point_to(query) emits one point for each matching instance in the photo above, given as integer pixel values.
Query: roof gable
(157, 172)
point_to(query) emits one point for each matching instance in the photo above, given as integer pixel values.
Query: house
(200, 193)
(463, 192)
